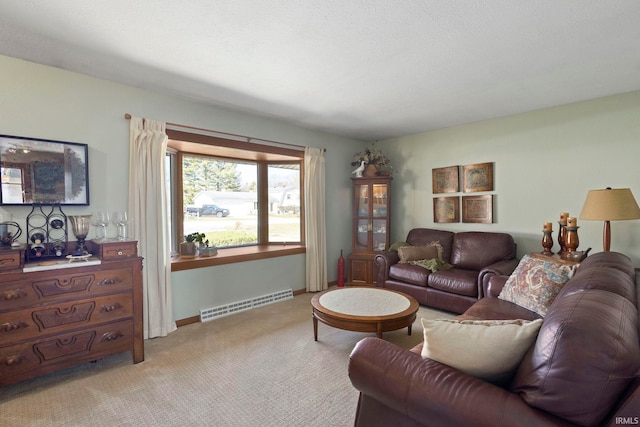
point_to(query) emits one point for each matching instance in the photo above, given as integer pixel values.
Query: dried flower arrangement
(372, 155)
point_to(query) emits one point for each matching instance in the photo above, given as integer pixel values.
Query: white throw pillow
(487, 349)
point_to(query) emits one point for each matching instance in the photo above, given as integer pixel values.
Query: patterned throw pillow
(416, 253)
(535, 283)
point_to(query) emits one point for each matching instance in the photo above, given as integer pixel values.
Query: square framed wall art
(477, 209)
(445, 180)
(477, 177)
(446, 209)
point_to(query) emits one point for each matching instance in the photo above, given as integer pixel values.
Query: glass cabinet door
(362, 235)
(361, 241)
(370, 234)
(379, 216)
(371, 216)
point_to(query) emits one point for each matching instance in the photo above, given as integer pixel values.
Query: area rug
(255, 368)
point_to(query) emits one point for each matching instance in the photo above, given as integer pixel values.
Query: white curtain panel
(149, 218)
(315, 226)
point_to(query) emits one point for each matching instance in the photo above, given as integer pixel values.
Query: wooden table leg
(315, 328)
(379, 330)
(410, 329)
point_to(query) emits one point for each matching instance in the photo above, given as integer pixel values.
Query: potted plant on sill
(195, 244)
(189, 248)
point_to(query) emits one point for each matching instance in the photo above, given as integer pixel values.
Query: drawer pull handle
(120, 252)
(111, 336)
(109, 281)
(13, 326)
(111, 307)
(13, 360)
(14, 294)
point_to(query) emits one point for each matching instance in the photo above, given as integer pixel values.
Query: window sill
(234, 255)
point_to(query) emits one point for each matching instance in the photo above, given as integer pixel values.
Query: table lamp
(607, 205)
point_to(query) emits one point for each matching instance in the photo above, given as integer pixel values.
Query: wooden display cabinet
(370, 232)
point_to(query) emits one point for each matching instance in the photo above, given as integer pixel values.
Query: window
(284, 202)
(239, 194)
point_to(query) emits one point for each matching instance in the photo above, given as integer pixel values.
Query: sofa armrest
(493, 285)
(434, 394)
(500, 268)
(385, 260)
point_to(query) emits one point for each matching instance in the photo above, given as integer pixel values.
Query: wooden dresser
(70, 314)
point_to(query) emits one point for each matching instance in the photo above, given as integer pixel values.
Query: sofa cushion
(535, 283)
(614, 260)
(424, 236)
(415, 253)
(455, 281)
(586, 355)
(606, 279)
(409, 273)
(434, 264)
(488, 349)
(497, 309)
(475, 250)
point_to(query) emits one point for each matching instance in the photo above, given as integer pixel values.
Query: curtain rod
(248, 138)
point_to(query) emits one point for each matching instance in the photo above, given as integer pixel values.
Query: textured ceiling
(368, 69)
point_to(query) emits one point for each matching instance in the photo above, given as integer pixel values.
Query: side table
(571, 259)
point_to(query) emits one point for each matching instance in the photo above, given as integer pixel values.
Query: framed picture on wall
(43, 171)
(477, 177)
(445, 180)
(446, 209)
(477, 209)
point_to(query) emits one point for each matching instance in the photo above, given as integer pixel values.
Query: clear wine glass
(101, 219)
(120, 220)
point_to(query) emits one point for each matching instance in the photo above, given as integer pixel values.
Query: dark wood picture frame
(477, 209)
(446, 209)
(445, 180)
(477, 177)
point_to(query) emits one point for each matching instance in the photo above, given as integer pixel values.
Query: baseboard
(196, 319)
(187, 321)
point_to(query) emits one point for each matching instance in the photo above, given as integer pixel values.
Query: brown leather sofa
(583, 368)
(475, 257)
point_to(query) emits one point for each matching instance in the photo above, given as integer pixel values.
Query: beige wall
(544, 162)
(45, 102)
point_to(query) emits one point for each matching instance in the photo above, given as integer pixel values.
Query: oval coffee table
(364, 309)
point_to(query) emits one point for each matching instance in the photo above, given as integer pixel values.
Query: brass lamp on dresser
(54, 315)
(370, 222)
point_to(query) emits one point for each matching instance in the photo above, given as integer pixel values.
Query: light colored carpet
(256, 368)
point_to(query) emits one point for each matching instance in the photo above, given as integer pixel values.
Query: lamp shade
(610, 205)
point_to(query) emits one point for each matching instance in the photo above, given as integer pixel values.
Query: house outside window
(237, 193)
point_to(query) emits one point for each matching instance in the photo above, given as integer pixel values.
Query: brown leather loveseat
(581, 370)
(474, 255)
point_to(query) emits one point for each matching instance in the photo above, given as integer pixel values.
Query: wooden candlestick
(547, 242)
(562, 235)
(572, 240)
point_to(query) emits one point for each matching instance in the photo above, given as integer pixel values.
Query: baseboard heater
(235, 307)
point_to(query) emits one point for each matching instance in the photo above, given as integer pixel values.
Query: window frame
(186, 143)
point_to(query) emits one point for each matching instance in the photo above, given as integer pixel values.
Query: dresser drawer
(10, 259)
(31, 323)
(36, 357)
(25, 293)
(115, 249)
